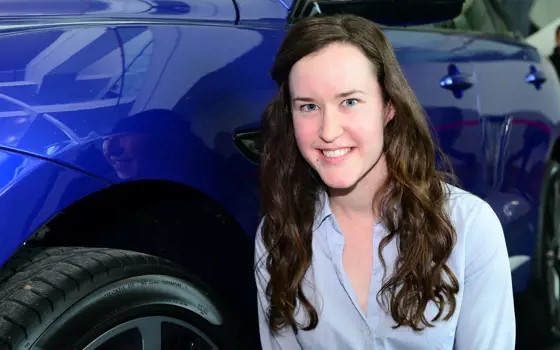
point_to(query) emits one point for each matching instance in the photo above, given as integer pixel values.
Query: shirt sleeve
(486, 317)
(285, 339)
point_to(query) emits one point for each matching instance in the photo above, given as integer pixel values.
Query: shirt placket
(376, 276)
(367, 325)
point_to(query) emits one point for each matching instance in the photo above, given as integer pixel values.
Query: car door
(109, 97)
(519, 104)
(437, 67)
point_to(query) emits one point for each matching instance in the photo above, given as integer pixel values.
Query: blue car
(129, 149)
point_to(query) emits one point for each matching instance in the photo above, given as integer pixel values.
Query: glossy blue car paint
(99, 93)
(520, 126)
(33, 190)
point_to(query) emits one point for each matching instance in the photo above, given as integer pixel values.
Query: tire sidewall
(134, 292)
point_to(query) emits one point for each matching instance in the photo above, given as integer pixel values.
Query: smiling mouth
(336, 152)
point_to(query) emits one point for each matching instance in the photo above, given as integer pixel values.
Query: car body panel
(184, 91)
(214, 10)
(519, 121)
(425, 58)
(263, 12)
(32, 191)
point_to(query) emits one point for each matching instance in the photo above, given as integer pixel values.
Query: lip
(120, 161)
(335, 160)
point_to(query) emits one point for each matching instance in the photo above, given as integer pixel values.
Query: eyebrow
(339, 95)
(349, 93)
(302, 99)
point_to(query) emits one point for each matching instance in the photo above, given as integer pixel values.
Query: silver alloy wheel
(150, 330)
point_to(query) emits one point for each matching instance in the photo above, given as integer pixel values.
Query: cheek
(304, 132)
(367, 132)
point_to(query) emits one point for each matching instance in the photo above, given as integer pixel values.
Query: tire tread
(34, 281)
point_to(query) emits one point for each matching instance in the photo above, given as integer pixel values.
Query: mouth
(120, 162)
(333, 155)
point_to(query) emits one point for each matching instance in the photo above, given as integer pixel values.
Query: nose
(331, 129)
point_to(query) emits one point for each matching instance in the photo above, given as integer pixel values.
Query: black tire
(44, 292)
(538, 311)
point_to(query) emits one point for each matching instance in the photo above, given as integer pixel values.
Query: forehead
(336, 67)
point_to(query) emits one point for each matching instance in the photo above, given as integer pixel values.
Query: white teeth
(336, 153)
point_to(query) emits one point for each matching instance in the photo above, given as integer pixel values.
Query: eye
(350, 102)
(309, 107)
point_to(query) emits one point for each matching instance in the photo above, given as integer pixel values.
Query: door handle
(456, 82)
(535, 77)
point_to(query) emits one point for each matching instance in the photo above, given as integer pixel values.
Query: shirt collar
(322, 210)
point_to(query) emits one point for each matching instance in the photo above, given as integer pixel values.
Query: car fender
(32, 191)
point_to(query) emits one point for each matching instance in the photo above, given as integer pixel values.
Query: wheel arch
(80, 224)
(165, 219)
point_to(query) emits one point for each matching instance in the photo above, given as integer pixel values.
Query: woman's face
(339, 114)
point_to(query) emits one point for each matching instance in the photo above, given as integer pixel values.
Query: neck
(358, 201)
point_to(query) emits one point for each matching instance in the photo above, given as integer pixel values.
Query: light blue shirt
(484, 318)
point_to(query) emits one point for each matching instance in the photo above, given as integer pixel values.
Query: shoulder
(260, 249)
(467, 210)
(480, 236)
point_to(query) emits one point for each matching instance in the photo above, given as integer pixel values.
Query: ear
(389, 112)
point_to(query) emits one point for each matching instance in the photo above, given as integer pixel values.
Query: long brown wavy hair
(411, 201)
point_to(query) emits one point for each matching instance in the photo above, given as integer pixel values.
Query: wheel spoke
(150, 329)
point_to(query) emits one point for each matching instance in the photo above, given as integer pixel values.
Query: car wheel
(538, 307)
(104, 299)
(550, 249)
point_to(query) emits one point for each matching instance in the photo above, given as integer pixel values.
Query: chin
(339, 184)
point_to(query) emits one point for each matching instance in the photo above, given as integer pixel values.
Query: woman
(364, 245)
